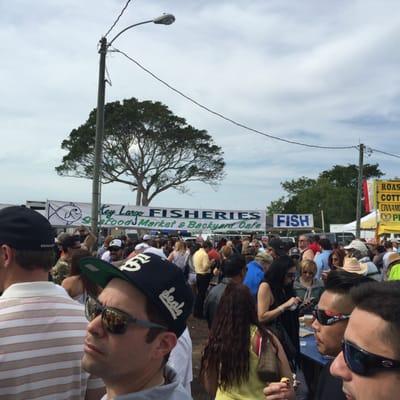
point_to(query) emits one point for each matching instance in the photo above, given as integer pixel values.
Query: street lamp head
(165, 19)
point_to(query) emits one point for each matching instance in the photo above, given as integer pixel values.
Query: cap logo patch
(172, 305)
(135, 263)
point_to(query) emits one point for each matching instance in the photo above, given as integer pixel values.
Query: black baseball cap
(25, 229)
(159, 280)
(278, 246)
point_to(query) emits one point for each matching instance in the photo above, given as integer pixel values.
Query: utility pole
(165, 19)
(359, 189)
(322, 220)
(98, 146)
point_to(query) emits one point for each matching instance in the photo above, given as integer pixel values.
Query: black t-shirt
(329, 387)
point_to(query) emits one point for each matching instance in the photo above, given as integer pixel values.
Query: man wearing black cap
(134, 325)
(41, 328)
(276, 248)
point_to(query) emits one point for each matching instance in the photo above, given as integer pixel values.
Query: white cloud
(318, 72)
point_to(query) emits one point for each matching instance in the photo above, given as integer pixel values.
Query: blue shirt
(322, 261)
(254, 276)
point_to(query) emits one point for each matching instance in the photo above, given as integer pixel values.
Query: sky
(322, 73)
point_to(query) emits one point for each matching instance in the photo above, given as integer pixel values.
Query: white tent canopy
(368, 222)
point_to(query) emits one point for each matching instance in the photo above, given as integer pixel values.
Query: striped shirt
(42, 332)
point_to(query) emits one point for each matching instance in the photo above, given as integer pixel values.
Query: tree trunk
(141, 200)
(145, 200)
(138, 197)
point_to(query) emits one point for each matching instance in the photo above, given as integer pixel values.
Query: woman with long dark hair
(76, 284)
(277, 305)
(229, 362)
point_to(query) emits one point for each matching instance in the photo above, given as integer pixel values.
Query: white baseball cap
(141, 246)
(116, 243)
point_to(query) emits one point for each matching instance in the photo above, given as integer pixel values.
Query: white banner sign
(63, 213)
(293, 221)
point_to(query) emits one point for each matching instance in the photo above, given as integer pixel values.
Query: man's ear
(164, 343)
(7, 254)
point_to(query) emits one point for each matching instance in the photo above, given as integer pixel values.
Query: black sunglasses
(361, 362)
(325, 319)
(114, 321)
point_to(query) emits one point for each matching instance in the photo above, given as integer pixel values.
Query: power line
(119, 16)
(383, 152)
(227, 118)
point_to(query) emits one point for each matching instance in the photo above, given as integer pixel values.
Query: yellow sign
(388, 204)
(387, 197)
(389, 208)
(390, 218)
(388, 186)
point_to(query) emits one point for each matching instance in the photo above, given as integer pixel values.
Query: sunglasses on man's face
(114, 321)
(361, 362)
(325, 317)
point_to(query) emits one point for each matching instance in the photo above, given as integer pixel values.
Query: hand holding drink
(279, 390)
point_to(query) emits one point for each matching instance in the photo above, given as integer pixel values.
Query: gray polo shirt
(173, 390)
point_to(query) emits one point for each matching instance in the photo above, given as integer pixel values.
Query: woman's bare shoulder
(72, 284)
(264, 286)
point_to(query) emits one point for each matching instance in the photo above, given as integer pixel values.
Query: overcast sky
(324, 73)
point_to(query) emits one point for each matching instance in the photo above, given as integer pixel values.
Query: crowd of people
(112, 323)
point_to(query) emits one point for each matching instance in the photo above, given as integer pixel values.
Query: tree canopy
(334, 192)
(146, 147)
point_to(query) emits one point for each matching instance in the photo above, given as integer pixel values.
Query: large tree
(334, 192)
(146, 147)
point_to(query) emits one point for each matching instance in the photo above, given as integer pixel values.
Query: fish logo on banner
(68, 213)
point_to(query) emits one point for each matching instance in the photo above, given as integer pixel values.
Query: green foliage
(277, 206)
(295, 187)
(334, 192)
(346, 176)
(146, 147)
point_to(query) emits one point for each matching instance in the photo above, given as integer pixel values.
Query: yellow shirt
(394, 274)
(201, 262)
(252, 389)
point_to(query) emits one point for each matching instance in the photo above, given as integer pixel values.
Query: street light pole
(165, 19)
